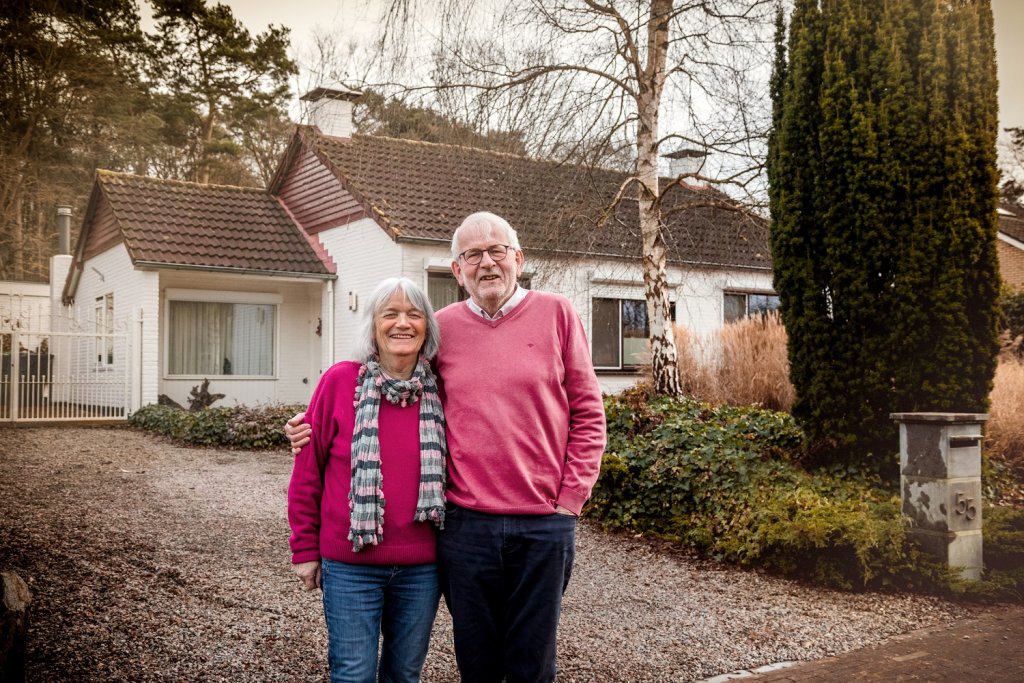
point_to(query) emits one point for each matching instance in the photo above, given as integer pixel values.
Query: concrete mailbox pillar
(940, 478)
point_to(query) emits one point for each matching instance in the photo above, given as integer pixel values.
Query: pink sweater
(318, 509)
(526, 426)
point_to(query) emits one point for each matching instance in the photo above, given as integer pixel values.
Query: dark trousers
(503, 577)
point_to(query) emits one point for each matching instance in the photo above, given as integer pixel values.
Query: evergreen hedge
(883, 192)
(723, 481)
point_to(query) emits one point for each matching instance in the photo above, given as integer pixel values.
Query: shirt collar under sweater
(513, 301)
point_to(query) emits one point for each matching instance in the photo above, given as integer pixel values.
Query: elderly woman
(378, 435)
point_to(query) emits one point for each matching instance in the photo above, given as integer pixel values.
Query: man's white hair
(483, 220)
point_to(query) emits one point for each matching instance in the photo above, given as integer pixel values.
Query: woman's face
(400, 329)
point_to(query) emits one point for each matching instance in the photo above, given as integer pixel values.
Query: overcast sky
(356, 18)
(358, 15)
(1009, 17)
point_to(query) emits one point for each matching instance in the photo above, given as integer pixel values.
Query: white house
(260, 290)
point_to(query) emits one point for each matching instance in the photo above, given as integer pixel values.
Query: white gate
(64, 373)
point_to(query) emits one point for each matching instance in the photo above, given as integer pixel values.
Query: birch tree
(591, 81)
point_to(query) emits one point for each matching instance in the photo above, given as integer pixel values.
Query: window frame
(223, 298)
(103, 350)
(622, 366)
(437, 275)
(747, 294)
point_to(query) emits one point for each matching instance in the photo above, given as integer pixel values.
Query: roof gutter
(422, 240)
(1010, 240)
(235, 271)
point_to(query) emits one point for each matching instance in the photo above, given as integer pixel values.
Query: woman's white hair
(485, 219)
(366, 343)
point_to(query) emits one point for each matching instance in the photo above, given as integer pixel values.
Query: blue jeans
(503, 577)
(363, 602)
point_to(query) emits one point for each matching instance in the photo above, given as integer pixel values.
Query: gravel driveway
(150, 562)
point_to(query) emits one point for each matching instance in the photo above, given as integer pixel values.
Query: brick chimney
(329, 108)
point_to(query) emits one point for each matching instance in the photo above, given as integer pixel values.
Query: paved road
(986, 649)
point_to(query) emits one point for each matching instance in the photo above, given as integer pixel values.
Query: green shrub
(1004, 539)
(721, 480)
(241, 427)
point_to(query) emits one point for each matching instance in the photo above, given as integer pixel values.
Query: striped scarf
(366, 498)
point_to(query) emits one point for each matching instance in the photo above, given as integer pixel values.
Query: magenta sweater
(526, 425)
(318, 509)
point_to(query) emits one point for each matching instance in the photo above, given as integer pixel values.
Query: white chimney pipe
(63, 230)
(686, 163)
(330, 109)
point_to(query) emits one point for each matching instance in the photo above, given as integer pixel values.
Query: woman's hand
(298, 432)
(308, 573)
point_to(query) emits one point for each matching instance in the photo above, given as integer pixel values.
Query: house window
(739, 305)
(620, 332)
(444, 289)
(212, 338)
(104, 317)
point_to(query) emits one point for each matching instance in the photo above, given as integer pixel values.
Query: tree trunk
(18, 239)
(664, 364)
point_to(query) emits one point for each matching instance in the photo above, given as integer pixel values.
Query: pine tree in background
(226, 78)
(882, 168)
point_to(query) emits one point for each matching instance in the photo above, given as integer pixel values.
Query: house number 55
(965, 506)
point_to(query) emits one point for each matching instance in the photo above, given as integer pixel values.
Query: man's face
(490, 283)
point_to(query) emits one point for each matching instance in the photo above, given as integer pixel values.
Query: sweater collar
(513, 301)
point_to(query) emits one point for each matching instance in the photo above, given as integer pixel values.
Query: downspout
(330, 323)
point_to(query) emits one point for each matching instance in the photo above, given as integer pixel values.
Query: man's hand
(564, 511)
(308, 573)
(298, 432)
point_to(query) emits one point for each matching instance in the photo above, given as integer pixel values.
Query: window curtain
(209, 338)
(443, 289)
(605, 332)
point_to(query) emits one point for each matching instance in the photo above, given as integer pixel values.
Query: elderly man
(526, 430)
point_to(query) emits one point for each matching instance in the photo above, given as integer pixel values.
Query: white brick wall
(333, 117)
(365, 255)
(136, 294)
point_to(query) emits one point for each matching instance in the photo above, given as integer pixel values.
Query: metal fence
(76, 375)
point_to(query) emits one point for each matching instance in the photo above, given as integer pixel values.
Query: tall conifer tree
(882, 168)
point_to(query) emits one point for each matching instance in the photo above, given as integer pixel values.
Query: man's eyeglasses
(475, 256)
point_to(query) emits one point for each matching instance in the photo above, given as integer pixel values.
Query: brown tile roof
(424, 190)
(167, 222)
(1011, 220)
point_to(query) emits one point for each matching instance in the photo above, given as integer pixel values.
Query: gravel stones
(152, 562)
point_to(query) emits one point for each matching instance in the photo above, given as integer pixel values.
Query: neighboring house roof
(173, 224)
(1011, 221)
(422, 191)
